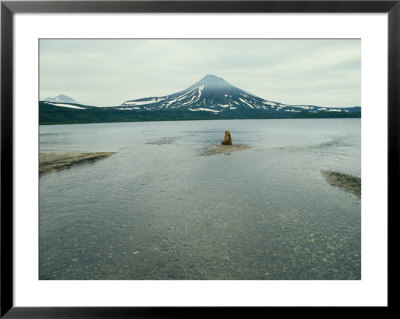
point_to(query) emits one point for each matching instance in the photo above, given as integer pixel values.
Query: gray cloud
(107, 72)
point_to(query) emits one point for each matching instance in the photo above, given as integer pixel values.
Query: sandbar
(346, 182)
(220, 149)
(49, 162)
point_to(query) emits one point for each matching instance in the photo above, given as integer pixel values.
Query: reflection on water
(158, 210)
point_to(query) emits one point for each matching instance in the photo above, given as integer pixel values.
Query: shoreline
(192, 120)
(50, 162)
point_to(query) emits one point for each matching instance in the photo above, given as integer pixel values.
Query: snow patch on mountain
(203, 109)
(65, 105)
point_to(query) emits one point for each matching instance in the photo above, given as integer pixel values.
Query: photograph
(199, 159)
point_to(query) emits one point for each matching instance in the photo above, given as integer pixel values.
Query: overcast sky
(109, 72)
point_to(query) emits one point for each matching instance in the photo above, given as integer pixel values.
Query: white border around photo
(371, 290)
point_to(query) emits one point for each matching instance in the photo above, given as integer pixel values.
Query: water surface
(159, 209)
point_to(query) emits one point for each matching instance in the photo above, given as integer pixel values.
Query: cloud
(295, 71)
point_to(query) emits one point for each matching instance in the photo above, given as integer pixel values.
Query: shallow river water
(165, 206)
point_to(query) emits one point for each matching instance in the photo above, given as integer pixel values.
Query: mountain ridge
(207, 99)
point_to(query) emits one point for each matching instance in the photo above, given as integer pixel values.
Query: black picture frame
(9, 8)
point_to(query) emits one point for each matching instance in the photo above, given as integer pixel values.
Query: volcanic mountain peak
(214, 94)
(211, 93)
(211, 77)
(213, 82)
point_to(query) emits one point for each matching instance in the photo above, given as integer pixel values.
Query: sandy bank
(56, 161)
(346, 182)
(219, 149)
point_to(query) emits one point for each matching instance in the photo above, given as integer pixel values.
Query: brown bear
(227, 139)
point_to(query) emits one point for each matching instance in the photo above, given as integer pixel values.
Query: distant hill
(210, 98)
(61, 98)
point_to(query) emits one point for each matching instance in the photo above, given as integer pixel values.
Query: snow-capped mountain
(210, 98)
(215, 95)
(61, 99)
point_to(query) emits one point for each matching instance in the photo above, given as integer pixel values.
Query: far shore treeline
(50, 114)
